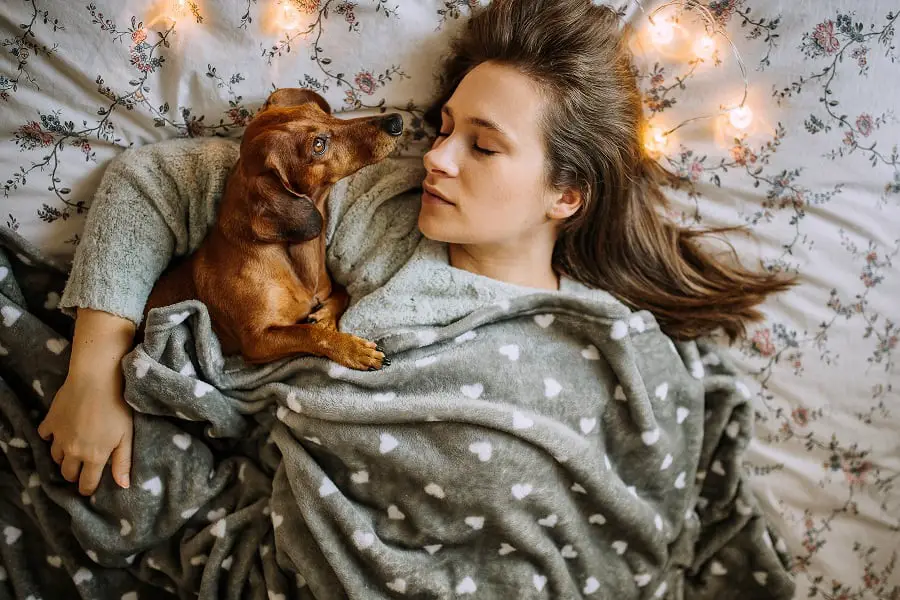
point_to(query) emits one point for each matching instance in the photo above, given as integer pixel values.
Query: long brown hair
(593, 129)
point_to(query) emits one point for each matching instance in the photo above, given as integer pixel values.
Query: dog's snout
(393, 124)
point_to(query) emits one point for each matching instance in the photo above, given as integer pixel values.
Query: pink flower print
(825, 38)
(139, 35)
(762, 343)
(307, 6)
(366, 83)
(864, 124)
(800, 416)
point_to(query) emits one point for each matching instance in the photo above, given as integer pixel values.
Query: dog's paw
(362, 355)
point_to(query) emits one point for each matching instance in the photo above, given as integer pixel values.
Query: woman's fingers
(71, 467)
(56, 452)
(91, 473)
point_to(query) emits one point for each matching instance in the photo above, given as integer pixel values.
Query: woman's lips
(429, 198)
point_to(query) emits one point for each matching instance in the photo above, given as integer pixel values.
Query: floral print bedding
(814, 175)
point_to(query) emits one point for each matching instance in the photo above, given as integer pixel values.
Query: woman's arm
(153, 203)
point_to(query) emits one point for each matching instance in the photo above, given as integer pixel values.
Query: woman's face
(486, 182)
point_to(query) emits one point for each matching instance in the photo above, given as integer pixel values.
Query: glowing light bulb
(290, 17)
(704, 47)
(740, 117)
(662, 32)
(655, 140)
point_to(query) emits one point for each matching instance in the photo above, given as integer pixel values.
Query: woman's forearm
(101, 341)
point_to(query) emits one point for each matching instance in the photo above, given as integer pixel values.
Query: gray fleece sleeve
(153, 203)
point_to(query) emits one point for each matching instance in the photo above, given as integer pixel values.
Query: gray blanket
(525, 444)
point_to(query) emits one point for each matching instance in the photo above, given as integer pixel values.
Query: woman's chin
(431, 228)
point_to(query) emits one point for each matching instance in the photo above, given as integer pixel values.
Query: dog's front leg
(331, 309)
(277, 342)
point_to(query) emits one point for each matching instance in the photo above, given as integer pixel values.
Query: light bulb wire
(713, 26)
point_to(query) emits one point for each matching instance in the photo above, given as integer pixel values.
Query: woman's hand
(90, 423)
(89, 420)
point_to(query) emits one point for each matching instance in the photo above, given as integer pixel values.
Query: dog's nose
(393, 124)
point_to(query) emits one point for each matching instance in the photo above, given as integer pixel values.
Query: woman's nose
(440, 159)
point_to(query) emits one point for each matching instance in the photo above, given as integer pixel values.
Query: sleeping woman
(552, 424)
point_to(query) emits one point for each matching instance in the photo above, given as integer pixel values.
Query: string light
(740, 117)
(704, 47)
(662, 33)
(290, 16)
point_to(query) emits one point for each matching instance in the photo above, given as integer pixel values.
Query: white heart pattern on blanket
(658, 522)
(717, 468)
(293, 402)
(484, 450)
(154, 486)
(597, 519)
(141, 366)
(733, 429)
(697, 370)
(82, 575)
(277, 520)
(424, 362)
(521, 490)
(591, 585)
(433, 548)
(327, 487)
(473, 391)
(661, 590)
(201, 388)
(92, 555)
(619, 330)
(359, 478)
(549, 521)
(650, 437)
(680, 481)
(124, 527)
(4, 271)
(620, 546)
(272, 595)
(18, 442)
(505, 549)
(388, 443)
(466, 586)
(34, 480)
(363, 539)
(226, 564)
(475, 522)
(666, 463)
(681, 413)
(57, 345)
(590, 352)
(385, 397)
(552, 387)
(54, 561)
(568, 551)
(662, 391)
(742, 507)
(427, 337)
(218, 530)
(433, 489)
(12, 534)
(587, 425)
(198, 560)
(38, 388)
(761, 577)
(544, 321)
(717, 568)
(521, 421)
(539, 581)
(578, 488)
(637, 324)
(465, 337)
(619, 394)
(395, 514)
(398, 585)
(10, 315)
(188, 369)
(52, 301)
(510, 351)
(179, 318)
(643, 579)
(182, 440)
(741, 387)
(188, 513)
(216, 514)
(337, 371)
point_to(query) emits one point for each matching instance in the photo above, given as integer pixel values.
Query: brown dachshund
(261, 268)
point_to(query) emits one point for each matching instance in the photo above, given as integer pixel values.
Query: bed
(813, 171)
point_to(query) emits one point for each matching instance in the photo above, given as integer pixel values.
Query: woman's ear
(565, 204)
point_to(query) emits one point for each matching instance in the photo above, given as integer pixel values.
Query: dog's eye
(320, 145)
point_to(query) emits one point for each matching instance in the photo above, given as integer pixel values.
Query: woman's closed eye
(475, 146)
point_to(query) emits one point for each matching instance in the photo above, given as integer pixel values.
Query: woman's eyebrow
(478, 122)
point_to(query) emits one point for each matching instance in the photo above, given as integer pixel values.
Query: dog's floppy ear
(282, 216)
(295, 97)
